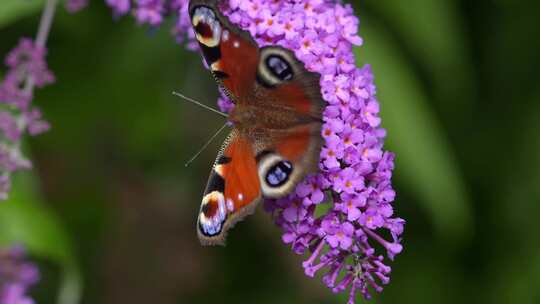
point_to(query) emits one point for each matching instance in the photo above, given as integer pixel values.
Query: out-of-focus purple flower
(182, 29)
(340, 215)
(26, 68)
(119, 7)
(74, 6)
(16, 276)
(27, 60)
(150, 12)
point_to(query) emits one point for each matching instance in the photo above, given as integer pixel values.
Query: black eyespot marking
(279, 67)
(262, 154)
(211, 54)
(204, 30)
(222, 160)
(220, 75)
(209, 209)
(260, 80)
(215, 183)
(279, 174)
(210, 231)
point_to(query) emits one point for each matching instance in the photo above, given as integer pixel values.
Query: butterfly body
(277, 119)
(252, 120)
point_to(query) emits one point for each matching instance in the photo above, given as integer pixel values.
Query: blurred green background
(109, 210)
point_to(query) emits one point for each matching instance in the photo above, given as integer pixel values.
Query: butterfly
(277, 119)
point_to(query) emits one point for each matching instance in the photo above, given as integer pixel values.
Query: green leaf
(11, 10)
(425, 162)
(434, 33)
(516, 278)
(25, 220)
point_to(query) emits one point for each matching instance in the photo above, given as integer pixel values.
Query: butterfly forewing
(231, 53)
(232, 192)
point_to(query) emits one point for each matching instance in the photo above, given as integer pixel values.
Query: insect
(277, 119)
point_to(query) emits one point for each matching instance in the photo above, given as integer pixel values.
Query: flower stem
(46, 22)
(42, 34)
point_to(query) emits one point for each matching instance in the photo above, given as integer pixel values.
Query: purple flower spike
(26, 67)
(16, 276)
(119, 7)
(150, 11)
(354, 183)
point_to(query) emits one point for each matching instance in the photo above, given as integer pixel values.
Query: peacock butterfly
(277, 119)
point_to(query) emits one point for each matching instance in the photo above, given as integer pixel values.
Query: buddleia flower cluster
(342, 217)
(16, 276)
(339, 217)
(18, 117)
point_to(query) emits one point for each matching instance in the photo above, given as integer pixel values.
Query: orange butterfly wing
(231, 53)
(233, 190)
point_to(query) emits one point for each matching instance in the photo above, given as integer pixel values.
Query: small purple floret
(16, 276)
(26, 68)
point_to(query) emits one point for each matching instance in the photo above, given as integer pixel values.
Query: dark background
(110, 207)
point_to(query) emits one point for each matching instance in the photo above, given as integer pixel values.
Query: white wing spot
(240, 196)
(236, 44)
(225, 35)
(230, 205)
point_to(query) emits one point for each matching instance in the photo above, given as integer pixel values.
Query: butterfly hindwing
(246, 171)
(289, 111)
(287, 157)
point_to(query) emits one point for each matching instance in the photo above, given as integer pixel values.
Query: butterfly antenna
(205, 145)
(199, 104)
